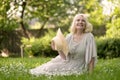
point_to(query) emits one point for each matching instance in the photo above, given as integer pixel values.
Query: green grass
(17, 69)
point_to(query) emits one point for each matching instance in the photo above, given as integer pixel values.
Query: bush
(39, 46)
(108, 47)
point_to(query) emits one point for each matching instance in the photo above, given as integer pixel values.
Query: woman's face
(80, 22)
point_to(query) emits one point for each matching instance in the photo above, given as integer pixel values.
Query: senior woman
(82, 54)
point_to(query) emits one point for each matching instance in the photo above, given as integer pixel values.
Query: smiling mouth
(80, 25)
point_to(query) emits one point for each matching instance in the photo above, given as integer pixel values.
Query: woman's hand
(53, 45)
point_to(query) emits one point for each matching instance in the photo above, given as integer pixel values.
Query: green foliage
(5, 24)
(113, 24)
(56, 12)
(48, 11)
(113, 29)
(41, 45)
(38, 46)
(27, 45)
(109, 44)
(108, 47)
(95, 20)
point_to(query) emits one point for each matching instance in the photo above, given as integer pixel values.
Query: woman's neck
(78, 36)
(79, 32)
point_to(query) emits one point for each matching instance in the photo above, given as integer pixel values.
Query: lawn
(18, 69)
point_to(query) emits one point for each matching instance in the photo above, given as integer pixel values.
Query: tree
(16, 12)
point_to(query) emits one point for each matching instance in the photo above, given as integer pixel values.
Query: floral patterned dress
(80, 54)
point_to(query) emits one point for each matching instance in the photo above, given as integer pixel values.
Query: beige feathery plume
(60, 42)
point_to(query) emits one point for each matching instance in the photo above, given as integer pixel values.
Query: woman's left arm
(91, 53)
(91, 65)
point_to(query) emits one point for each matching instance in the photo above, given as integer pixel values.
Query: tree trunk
(25, 31)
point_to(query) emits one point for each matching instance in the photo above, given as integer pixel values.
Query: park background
(27, 27)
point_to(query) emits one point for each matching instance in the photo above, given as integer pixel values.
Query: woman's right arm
(62, 55)
(60, 51)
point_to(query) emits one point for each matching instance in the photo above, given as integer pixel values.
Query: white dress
(80, 54)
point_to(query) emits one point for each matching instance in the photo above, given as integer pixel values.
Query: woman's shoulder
(89, 35)
(68, 35)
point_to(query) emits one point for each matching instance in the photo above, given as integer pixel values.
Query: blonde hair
(88, 27)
